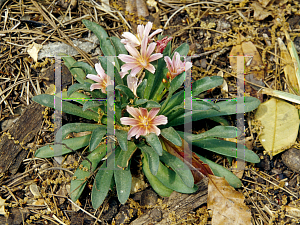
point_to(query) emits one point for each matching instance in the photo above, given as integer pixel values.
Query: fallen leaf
(259, 12)
(264, 3)
(34, 189)
(198, 168)
(227, 204)
(33, 50)
(136, 8)
(280, 124)
(288, 69)
(253, 64)
(292, 211)
(2, 209)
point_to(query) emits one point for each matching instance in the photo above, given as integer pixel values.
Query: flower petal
(159, 120)
(136, 70)
(169, 63)
(100, 70)
(94, 77)
(188, 65)
(133, 111)
(127, 58)
(96, 86)
(129, 121)
(133, 132)
(147, 30)
(153, 112)
(155, 32)
(129, 66)
(131, 38)
(144, 112)
(154, 129)
(150, 49)
(132, 51)
(155, 57)
(150, 68)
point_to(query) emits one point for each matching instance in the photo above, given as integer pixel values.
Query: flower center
(144, 121)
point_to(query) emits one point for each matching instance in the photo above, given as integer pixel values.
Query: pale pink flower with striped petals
(142, 31)
(143, 122)
(102, 79)
(139, 60)
(176, 66)
(133, 83)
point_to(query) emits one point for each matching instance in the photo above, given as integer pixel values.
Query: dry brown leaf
(259, 12)
(2, 209)
(264, 3)
(136, 8)
(288, 69)
(226, 203)
(292, 211)
(33, 50)
(253, 64)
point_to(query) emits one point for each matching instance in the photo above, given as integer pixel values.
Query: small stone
(148, 197)
(156, 214)
(291, 158)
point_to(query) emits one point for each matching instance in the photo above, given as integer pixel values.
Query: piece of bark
(180, 204)
(23, 130)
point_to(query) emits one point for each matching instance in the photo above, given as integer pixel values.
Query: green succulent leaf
(126, 90)
(227, 148)
(226, 108)
(205, 84)
(119, 48)
(220, 171)
(87, 68)
(172, 180)
(67, 107)
(150, 83)
(75, 87)
(176, 100)
(125, 156)
(140, 101)
(77, 185)
(152, 157)
(102, 184)
(91, 104)
(171, 135)
(141, 89)
(183, 50)
(53, 150)
(179, 167)
(220, 132)
(77, 73)
(96, 29)
(157, 186)
(96, 137)
(152, 104)
(153, 140)
(122, 139)
(76, 127)
(123, 181)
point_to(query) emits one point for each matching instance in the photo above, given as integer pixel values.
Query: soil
(211, 28)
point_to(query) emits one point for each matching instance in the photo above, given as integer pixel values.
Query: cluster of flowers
(141, 47)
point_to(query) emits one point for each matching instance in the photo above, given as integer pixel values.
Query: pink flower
(144, 122)
(102, 79)
(132, 83)
(176, 66)
(136, 40)
(162, 44)
(137, 61)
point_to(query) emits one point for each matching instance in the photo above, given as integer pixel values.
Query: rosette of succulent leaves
(132, 101)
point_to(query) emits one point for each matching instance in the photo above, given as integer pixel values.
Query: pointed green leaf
(97, 136)
(91, 104)
(67, 107)
(75, 87)
(220, 171)
(179, 167)
(140, 101)
(152, 104)
(101, 184)
(122, 139)
(123, 181)
(87, 68)
(220, 132)
(81, 175)
(153, 158)
(141, 89)
(183, 50)
(171, 135)
(53, 150)
(205, 84)
(125, 156)
(126, 90)
(153, 140)
(77, 73)
(76, 127)
(96, 29)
